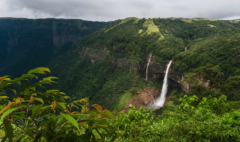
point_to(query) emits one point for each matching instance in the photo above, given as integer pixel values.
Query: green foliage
(176, 94)
(200, 120)
(122, 82)
(133, 126)
(34, 115)
(211, 73)
(218, 106)
(209, 80)
(123, 102)
(81, 79)
(232, 87)
(234, 104)
(194, 119)
(205, 80)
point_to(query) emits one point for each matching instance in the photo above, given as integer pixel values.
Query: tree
(233, 86)
(211, 73)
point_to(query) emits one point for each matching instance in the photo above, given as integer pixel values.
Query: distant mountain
(30, 43)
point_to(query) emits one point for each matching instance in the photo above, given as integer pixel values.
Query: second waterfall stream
(149, 60)
(160, 101)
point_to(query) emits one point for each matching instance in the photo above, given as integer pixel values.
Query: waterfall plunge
(160, 102)
(149, 60)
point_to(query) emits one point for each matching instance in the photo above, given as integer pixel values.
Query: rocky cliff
(155, 69)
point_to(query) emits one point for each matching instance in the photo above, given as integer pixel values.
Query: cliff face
(155, 70)
(36, 42)
(100, 55)
(67, 31)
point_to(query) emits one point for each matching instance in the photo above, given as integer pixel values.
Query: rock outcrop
(143, 98)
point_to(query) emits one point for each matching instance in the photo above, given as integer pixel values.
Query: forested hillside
(135, 38)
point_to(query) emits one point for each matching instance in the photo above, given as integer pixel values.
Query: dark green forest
(26, 44)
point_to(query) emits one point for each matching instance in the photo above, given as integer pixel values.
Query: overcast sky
(109, 10)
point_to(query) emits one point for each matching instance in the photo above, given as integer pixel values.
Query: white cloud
(231, 17)
(106, 10)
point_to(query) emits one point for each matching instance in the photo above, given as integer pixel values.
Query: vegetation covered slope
(135, 38)
(215, 58)
(221, 49)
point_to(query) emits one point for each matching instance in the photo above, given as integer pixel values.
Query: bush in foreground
(33, 115)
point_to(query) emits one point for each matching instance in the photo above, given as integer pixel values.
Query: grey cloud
(106, 10)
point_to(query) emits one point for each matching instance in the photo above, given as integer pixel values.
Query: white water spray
(207, 83)
(149, 60)
(160, 102)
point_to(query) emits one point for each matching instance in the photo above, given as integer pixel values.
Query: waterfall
(208, 81)
(149, 60)
(160, 102)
